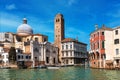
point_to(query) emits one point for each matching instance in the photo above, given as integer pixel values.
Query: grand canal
(66, 73)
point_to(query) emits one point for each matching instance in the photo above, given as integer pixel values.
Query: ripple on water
(66, 73)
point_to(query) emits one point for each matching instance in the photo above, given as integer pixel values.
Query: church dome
(24, 29)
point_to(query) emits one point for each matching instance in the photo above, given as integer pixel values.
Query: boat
(40, 67)
(53, 67)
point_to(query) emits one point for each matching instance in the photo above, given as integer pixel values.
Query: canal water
(65, 73)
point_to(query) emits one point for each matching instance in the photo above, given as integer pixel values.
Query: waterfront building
(59, 32)
(104, 47)
(30, 47)
(73, 52)
(41, 53)
(34, 49)
(78, 54)
(7, 38)
(4, 62)
(116, 47)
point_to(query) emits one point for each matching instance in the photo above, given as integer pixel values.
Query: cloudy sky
(80, 16)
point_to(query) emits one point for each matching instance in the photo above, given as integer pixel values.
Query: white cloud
(10, 7)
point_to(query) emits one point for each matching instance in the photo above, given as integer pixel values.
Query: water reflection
(4, 74)
(66, 73)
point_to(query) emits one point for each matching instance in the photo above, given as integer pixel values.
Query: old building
(59, 32)
(60, 41)
(4, 62)
(73, 52)
(116, 47)
(32, 49)
(104, 47)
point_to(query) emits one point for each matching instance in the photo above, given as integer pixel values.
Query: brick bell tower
(58, 32)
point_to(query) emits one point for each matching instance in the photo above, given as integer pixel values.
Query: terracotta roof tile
(72, 40)
(68, 40)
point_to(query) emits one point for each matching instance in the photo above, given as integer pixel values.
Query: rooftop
(71, 40)
(102, 28)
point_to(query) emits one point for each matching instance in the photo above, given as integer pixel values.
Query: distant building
(59, 32)
(72, 55)
(4, 62)
(104, 47)
(30, 47)
(73, 52)
(34, 49)
(116, 49)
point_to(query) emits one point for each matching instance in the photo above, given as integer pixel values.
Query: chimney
(96, 26)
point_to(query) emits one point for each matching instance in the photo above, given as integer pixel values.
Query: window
(19, 51)
(18, 56)
(66, 46)
(22, 57)
(57, 20)
(47, 59)
(98, 45)
(26, 57)
(35, 57)
(71, 53)
(66, 53)
(62, 46)
(103, 46)
(36, 39)
(116, 32)
(116, 41)
(102, 33)
(70, 46)
(6, 35)
(63, 54)
(27, 40)
(117, 51)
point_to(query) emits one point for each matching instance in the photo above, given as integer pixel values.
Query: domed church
(24, 29)
(32, 49)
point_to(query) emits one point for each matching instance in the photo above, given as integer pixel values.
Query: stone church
(32, 49)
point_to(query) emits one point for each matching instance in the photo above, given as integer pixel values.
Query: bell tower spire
(59, 29)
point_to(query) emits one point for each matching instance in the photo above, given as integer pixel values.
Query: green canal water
(65, 73)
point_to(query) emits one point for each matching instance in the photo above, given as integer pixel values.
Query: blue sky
(80, 16)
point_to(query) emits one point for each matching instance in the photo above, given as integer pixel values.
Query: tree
(12, 55)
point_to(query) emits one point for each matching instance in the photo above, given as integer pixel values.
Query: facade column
(32, 54)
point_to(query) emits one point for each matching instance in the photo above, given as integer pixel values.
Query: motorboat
(53, 67)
